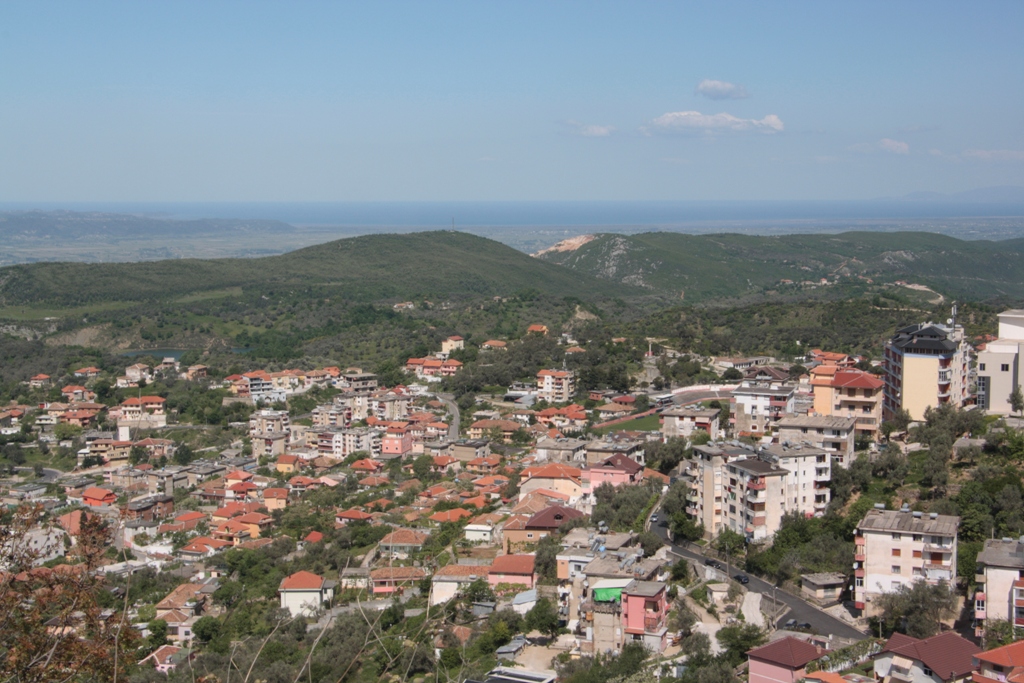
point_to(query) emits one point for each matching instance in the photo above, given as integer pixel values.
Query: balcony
(934, 548)
(945, 376)
(822, 475)
(654, 624)
(858, 557)
(756, 485)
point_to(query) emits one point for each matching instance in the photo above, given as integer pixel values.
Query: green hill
(430, 265)
(711, 267)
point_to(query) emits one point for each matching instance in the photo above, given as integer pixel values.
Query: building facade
(925, 365)
(999, 364)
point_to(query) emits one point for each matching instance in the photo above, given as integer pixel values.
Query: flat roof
(758, 467)
(1001, 552)
(825, 421)
(897, 520)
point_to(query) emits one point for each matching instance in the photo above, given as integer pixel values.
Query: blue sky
(303, 101)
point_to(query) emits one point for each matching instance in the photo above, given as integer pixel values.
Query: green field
(648, 423)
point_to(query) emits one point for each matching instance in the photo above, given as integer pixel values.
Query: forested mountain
(710, 267)
(423, 265)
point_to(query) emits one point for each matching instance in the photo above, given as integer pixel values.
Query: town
(828, 518)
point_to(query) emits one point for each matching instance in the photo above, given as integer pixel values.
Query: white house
(303, 593)
(479, 533)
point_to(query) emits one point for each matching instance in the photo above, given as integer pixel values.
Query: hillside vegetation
(424, 265)
(702, 268)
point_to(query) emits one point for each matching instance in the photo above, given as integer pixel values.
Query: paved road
(453, 430)
(688, 397)
(49, 475)
(821, 622)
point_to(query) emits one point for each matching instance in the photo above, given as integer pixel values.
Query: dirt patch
(94, 335)
(571, 244)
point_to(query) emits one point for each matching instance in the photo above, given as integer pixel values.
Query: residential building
(834, 435)
(757, 409)
(269, 422)
(644, 614)
(894, 548)
(999, 665)
(561, 449)
(556, 386)
(926, 365)
(304, 593)
(402, 543)
(453, 343)
(465, 450)
(143, 412)
(513, 569)
(599, 451)
(395, 579)
(999, 371)
(781, 661)
(450, 579)
(945, 658)
(341, 443)
(682, 422)
(1000, 581)
(849, 393)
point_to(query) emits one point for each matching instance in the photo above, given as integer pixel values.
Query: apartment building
(341, 443)
(833, 435)
(268, 422)
(925, 365)
(894, 548)
(1000, 579)
(999, 364)
(682, 422)
(757, 409)
(556, 386)
(840, 392)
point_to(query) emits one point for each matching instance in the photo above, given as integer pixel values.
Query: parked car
(654, 518)
(790, 624)
(742, 578)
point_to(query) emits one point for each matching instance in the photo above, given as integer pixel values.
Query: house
(544, 523)
(556, 386)
(368, 466)
(454, 515)
(143, 412)
(275, 498)
(453, 343)
(304, 593)
(450, 579)
(557, 477)
(537, 329)
(343, 517)
(1000, 592)
(465, 450)
(286, 464)
(849, 393)
(482, 428)
(401, 543)
(187, 598)
(495, 345)
(514, 569)
(645, 609)
(394, 579)
(781, 661)
(894, 548)
(834, 434)
(682, 422)
(39, 381)
(999, 665)
(202, 547)
(998, 367)
(96, 497)
(162, 658)
(823, 588)
(945, 658)
(757, 409)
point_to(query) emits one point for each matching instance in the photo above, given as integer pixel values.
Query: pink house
(396, 441)
(782, 661)
(644, 611)
(616, 470)
(517, 569)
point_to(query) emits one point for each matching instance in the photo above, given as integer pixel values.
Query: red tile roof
(300, 581)
(1011, 655)
(553, 517)
(397, 573)
(453, 515)
(512, 564)
(948, 654)
(789, 652)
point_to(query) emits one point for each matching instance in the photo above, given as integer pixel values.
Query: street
(823, 623)
(453, 430)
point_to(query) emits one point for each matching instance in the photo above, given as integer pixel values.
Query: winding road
(822, 622)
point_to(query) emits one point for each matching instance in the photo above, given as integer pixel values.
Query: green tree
(545, 559)
(1017, 400)
(157, 633)
(732, 374)
(738, 639)
(206, 629)
(543, 618)
(917, 609)
(183, 454)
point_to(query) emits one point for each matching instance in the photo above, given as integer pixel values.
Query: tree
(917, 609)
(157, 633)
(1000, 632)
(684, 526)
(650, 542)
(207, 628)
(479, 591)
(183, 454)
(732, 374)
(728, 541)
(1017, 400)
(87, 644)
(545, 559)
(682, 619)
(738, 639)
(543, 618)
(138, 455)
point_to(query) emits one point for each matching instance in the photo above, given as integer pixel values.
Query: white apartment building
(556, 386)
(757, 409)
(269, 422)
(925, 365)
(341, 443)
(897, 547)
(731, 488)
(834, 435)
(1000, 579)
(999, 364)
(681, 422)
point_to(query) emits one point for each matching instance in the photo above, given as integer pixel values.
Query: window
(858, 582)
(896, 585)
(1005, 367)
(897, 537)
(917, 571)
(979, 604)
(917, 554)
(529, 535)
(895, 569)
(927, 671)
(918, 538)
(895, 552)
(981, 366)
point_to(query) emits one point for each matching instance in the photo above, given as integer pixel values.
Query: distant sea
(530, 226)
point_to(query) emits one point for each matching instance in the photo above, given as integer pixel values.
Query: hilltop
(423, 265)
(701, 268)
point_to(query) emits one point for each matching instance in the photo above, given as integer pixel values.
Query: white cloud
(721, 90)
(589, 130)
(694, 120)
(885, 145)
(894, 146)
(995, 154)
